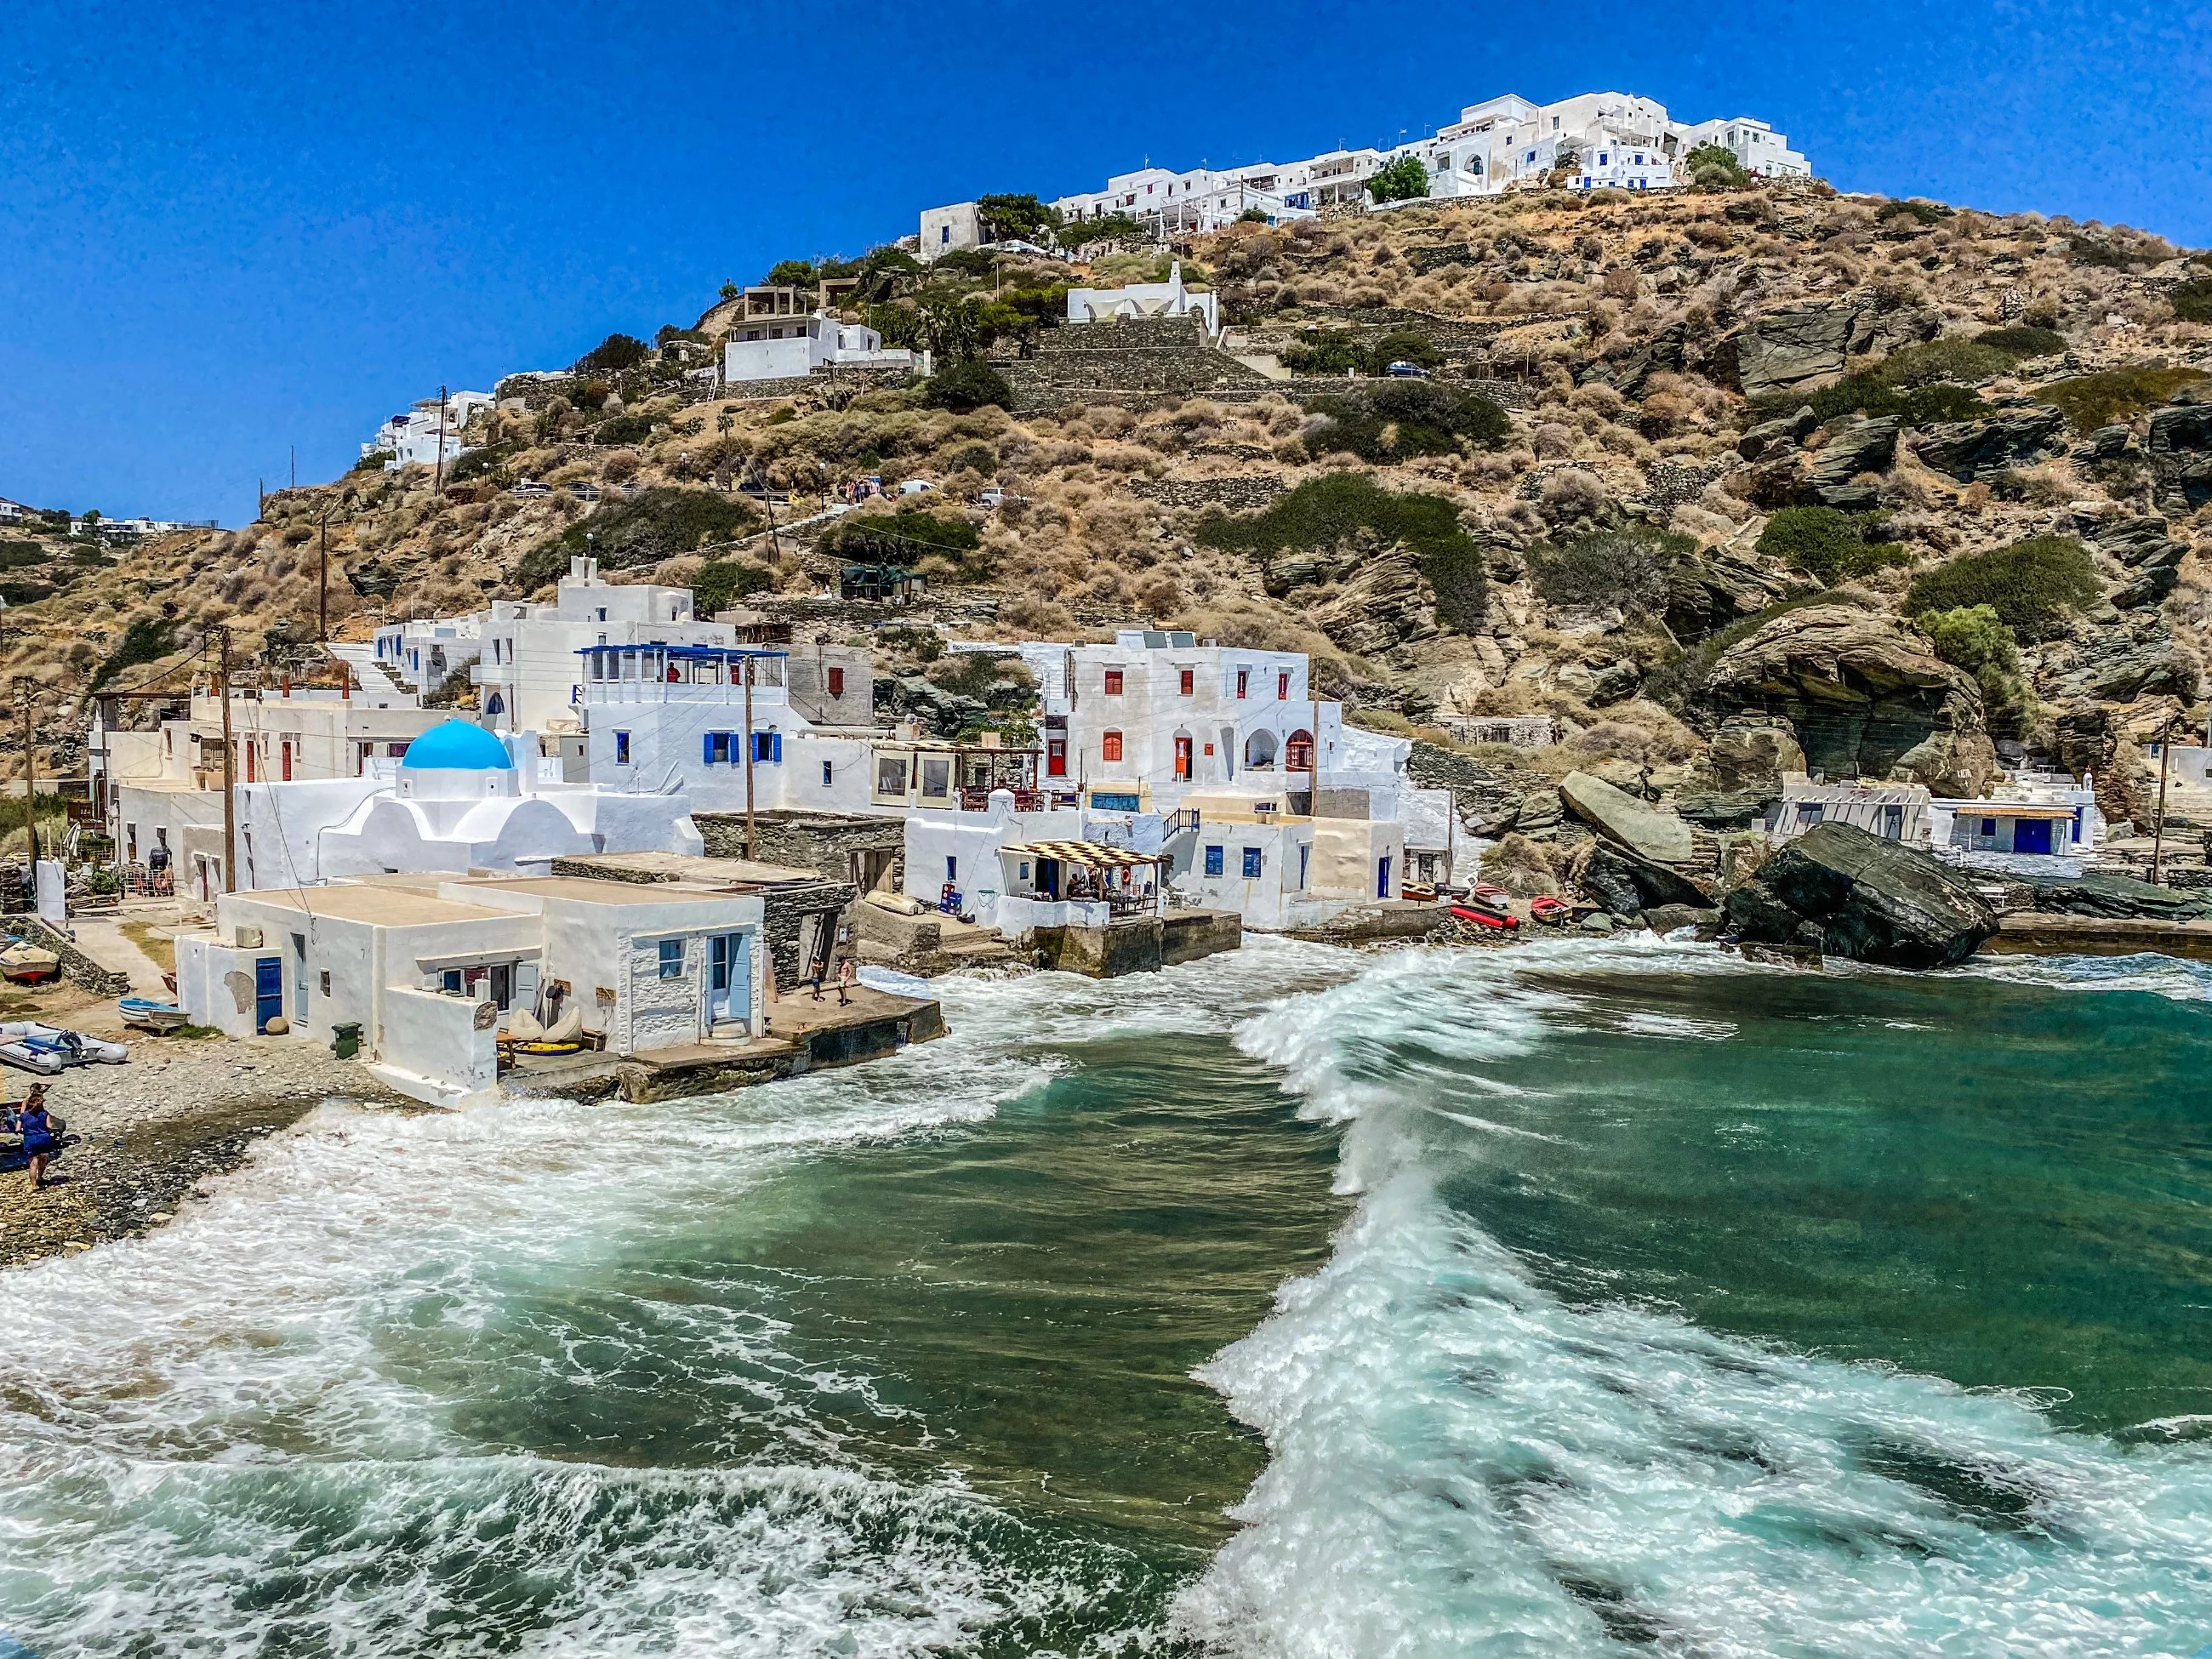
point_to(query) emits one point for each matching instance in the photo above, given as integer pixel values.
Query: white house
(428, 433)
(948, 229)
(1762, 151)
(422, 652)
(1198, 200)
(791, 348)
(1167, 299)
(431, 968)
(460, 799)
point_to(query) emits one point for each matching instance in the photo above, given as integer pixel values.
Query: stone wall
(1148, 357)
(785, 911)
(822, 842)
(1237, 494)
(76, 967)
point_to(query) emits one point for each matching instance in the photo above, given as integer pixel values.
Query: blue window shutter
(778, 756)
(708, 757)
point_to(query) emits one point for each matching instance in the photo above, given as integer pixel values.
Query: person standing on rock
(38, 1130)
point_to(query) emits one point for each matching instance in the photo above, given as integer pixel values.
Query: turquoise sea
(1582, 1297)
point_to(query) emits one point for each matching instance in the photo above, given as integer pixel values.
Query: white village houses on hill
(1612, 138)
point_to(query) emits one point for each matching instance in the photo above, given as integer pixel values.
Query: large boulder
(1386, 605)
(1621, 818)
(1786, 350)
(1626, 885)
(2145, 545)
(2120, 666)
(1858, 690)
(1753, 757)
(1844, 892)
(1975, 449)
(2116, 896)
(2180, 451)
(1855, 447)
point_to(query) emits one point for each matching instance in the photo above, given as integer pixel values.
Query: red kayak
(1483, 916)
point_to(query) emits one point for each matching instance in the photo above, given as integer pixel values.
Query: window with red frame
(1110, 746)
(1283, 686)
(1188, 681)
(836, 682)
(1113, 682)
(1243, 682)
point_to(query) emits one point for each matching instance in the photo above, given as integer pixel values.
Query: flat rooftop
(643, 868)
(580, 889)
(388, 906)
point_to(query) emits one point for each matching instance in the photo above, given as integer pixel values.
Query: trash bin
(345, 1041)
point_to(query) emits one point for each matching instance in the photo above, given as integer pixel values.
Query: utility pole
(2158, 831)
(26, 688)
(323, 581)
(438, 477)
(749, 757)
(295, 466)
(229, 762)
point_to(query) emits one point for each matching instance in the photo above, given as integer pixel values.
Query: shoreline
(150, 1130)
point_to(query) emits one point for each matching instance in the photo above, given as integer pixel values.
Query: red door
(1055, 757)
(288, 760)
(1182, 759)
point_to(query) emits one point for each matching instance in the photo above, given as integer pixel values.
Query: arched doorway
(1260, 751)
(494, 706)
(1299, 752)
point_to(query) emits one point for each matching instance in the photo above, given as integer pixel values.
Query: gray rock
(1627, 886)
(2118, 896)
(1750, 756)
(2146, 540)
(2119, 668)
(2180, 451)
(1386, 605)
(1623, 819)
(1858, 446)
(1970, 449)
(1737, 809)
(1786, 349)
(1770, 434)
(1855, 894)
(1665, 919)
(2106, 443)
(1597, 922)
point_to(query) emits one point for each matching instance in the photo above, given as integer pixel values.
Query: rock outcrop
(2118, 896)
(1626, 885)
(2180, 451)
(1859, 446)
(1786, 349)
(1386, 605)
(1621, 818)
(1975, 449)
(1861, 694)
(1844, 892)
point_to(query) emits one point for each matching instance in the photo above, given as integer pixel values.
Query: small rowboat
(26, 963)
(1550, 909)
(151, 1014)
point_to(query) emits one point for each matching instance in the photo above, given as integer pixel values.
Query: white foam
(1461, 1463)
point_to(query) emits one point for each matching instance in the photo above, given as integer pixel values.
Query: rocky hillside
(1706, 481)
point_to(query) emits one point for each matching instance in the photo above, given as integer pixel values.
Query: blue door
(2031, 835)
(1382, 878)
(268, 991)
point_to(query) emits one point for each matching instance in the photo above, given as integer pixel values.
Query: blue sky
(226, 232)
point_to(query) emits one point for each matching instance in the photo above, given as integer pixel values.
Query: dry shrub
(1521, 867)
(1553, 442)
(1572, 494)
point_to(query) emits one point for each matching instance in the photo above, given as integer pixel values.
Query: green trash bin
(345, 1041)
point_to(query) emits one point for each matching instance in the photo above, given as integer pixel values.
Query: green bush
(1405, 179)
(2115, 394)
(1829, 546)
(1975, 639)
(790, 273)
(967, 385)
(1626, 568)
(1927, 213)
(2192, 301)
(1392, 420)
(622, 429)
(15, 555)
(1870, 395)
(1323, 512)
(1254, 216)
(1326, 351)
(613, 355)
(2032, 586)
(2023, 340)
(1715, 167)
(722, 582)
(971, 457)
(487, 461)
(905, 537)
(654, 525)
(147, 640)
(1953, 358)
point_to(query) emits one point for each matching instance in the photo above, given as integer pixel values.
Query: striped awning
(1089, 854)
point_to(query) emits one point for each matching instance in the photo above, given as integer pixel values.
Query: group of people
(41, 1132)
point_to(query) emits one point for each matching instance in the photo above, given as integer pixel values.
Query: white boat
(152, 1014)
(31, 1047)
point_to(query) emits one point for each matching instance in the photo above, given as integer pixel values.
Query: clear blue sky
(226, 231)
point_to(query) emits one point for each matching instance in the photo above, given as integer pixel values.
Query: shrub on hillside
(2032, 585)
(1625, 569)
(613, 355)
(904, 537)
(1715, 167)
(722, 582)
(1406, 179)
(2023, 340)
(148, 638)
(967, 385)
(2114, 394)
(1953, 358)
(1394, 419)
(1927, 213)
(622, 429)
(1975, 639)
(1869, 394)
(654, 525)
(1829, 546)
(2192, 301)
(1325, 512)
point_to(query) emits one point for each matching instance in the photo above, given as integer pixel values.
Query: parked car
(991, 495)
(914, 486)
(1405, 371)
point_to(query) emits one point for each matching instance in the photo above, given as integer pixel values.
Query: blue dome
(457, 746)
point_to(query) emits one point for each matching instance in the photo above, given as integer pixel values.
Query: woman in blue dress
(38, 1132)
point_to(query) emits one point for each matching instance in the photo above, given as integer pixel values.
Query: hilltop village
(1577, 507)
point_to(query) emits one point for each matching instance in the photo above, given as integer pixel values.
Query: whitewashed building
(792, 347)
(432, 969)
(429, 433)
(1167, 299)
(423, 653)
(528, 668)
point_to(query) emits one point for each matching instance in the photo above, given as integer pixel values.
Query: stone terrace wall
(1145, 357)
